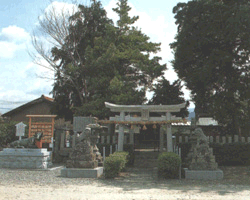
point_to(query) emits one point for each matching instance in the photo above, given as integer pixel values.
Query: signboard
(20, 129)
(80, 123)
(145, 114)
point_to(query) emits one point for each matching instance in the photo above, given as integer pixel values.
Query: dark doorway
(147, 139)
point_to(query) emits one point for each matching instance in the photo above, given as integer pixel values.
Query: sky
(21, 79)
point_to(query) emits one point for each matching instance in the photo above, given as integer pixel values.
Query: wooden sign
(20, 129)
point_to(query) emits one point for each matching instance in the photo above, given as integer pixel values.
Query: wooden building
(40, 106)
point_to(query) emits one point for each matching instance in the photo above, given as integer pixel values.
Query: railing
(219, 139)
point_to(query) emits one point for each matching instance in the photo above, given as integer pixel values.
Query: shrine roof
(150, 108)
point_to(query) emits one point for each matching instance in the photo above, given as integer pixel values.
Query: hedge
(114, 164)
(168, 165)
(126, 147)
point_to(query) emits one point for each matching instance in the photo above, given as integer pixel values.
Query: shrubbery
(127, 147)
(115, 163)
(168, 165)
(8, 132)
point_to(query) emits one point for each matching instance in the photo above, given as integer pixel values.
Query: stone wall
(25, 158)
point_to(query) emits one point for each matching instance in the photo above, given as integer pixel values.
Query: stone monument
(85, 159)
(24, 154)
(200, 160)
(86, 154)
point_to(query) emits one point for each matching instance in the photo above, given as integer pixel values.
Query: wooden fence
(219, 139)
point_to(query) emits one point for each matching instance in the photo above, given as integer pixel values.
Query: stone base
(203, 174)
(82, 172)
(25, 158)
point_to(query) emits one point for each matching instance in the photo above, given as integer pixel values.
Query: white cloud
(15, 34)
(12, 39)
(59, 8)
(7, 49)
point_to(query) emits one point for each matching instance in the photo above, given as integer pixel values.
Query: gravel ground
(133, 184)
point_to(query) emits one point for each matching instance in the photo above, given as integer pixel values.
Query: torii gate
(145, 117)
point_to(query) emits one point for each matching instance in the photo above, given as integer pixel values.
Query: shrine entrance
(148, 139)
(138, 118)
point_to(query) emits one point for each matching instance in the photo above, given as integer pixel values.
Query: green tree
(211, 52)
(169, 94)
(97, 61)
(125, 66)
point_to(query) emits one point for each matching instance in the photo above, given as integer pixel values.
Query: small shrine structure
(145, 119)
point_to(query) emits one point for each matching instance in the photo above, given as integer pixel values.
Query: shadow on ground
(236, 179)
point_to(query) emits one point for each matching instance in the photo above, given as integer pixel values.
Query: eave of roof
(38, 100)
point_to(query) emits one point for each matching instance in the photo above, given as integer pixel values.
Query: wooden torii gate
(146, 119)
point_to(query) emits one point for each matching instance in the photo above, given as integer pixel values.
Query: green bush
(8, 132)
(115, 163)
(127, 147)
(168, 165)
(111, 167)
(124, 156)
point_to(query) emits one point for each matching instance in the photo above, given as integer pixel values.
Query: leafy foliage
(115, 163)
(101, 62)
(169, 94)
(8, 132)
(212, 50)
(168, 165)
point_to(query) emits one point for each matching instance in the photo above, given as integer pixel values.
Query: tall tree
(211, 51)
(98, 61)
(169, 94)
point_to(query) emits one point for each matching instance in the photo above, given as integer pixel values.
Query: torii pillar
(169, 134)
(121, 132)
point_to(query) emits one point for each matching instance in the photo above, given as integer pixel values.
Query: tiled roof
(47, 98)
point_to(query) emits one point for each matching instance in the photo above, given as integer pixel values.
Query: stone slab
(14, 158)
(82, 172)
(203, 174)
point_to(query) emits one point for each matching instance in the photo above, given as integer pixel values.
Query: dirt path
(135, 183)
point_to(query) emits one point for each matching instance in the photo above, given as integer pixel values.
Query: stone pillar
(131, 136)
(121, 132)
(211, 139)
(102, 139)
(223, 139)
(114, 139)
(229, 139)
(62, 145)
(248, 139)
(161, 138)
(186, 138)
(243, 139)
(217, 139)
(74, 139)
(169, 134)
(236, 138)
(180, 139)
(108, 139)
